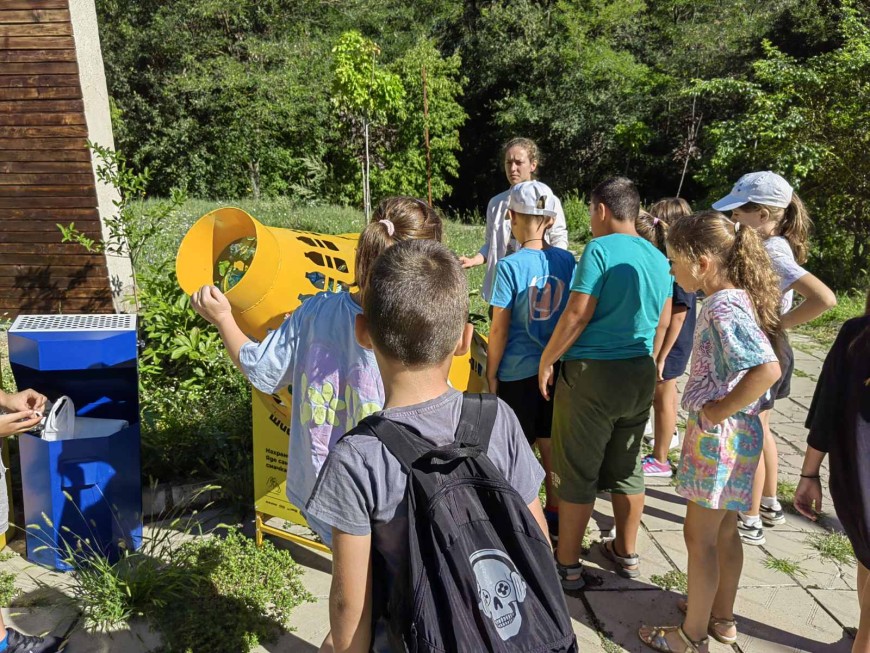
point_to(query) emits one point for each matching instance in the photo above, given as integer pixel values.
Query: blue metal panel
(83, 493)
(48, 350)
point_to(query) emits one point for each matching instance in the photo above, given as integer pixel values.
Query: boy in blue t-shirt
(529, 293)
(614, 322)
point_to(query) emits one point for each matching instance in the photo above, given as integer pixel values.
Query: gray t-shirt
(785, 265)
(361, 488)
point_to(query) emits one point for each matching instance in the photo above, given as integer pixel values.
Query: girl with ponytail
(733, 365)
(767, 203)
(335, 381)
(672, 355)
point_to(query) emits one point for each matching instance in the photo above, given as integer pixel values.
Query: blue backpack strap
(399, 441)
(476, 420)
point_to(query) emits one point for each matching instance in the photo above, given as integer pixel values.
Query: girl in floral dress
(733, 365)
(335, 383)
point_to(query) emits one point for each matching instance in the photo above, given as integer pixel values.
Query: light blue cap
(763, 187)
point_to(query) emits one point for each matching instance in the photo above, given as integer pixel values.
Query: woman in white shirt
(521, 156)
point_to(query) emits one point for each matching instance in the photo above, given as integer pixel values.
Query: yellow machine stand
(287, 267)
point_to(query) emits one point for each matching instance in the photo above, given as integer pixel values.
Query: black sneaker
(750, 533)
(18, 643)
(771, 516)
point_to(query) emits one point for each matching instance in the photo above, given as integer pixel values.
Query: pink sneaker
(652, 467)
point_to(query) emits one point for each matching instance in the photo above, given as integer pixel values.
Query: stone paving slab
(786, 619)
(652, 606)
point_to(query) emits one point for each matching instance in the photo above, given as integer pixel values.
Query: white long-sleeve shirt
(500, 242)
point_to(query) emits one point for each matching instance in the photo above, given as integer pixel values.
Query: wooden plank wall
(46, 175)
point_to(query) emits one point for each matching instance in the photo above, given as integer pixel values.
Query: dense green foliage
(235, 98)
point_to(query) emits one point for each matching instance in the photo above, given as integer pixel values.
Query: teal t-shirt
(631, 280)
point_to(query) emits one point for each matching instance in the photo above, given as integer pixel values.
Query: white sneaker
(750, 530)
(675, 440)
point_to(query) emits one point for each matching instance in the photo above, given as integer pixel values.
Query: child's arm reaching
(350, 596)
(754, 383)
(213, 305)
(498, 334)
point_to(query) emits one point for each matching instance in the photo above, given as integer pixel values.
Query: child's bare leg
(702, 534)
(771, 459)
(701, 531)
(665, 405)
(546, 449)
(573, 520)
(627, 513)
(862, 639)
(766, 475)
(730, 567)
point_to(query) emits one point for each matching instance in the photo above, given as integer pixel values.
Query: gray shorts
(782, 388)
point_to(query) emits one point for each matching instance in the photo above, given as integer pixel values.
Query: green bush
(576, 209)
(196, 406)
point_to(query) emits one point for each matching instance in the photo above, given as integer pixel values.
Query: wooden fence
(46, 175)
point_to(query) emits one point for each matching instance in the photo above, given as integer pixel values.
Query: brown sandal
(715, 624)
(657, 640)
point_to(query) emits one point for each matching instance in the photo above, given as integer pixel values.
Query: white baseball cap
(764, 187)
(533, 198)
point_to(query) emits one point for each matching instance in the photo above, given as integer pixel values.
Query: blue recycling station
(82, 494)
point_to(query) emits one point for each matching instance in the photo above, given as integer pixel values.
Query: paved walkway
(806, 609)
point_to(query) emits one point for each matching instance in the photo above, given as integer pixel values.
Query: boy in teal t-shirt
(530, 291)
(615, 317)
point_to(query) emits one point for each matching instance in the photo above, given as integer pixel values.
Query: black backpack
(480, 575)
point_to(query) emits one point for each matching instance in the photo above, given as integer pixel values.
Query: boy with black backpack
(438, 533)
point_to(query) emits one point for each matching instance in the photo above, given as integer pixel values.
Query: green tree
(226, 97)
(810, 121)
(404, 157)
(365, 94)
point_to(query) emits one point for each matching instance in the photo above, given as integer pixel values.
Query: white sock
(750, 520)
(771, 502)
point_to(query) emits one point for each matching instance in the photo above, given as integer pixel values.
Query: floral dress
(718, 461)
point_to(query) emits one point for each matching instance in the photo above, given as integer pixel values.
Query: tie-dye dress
(718, 461)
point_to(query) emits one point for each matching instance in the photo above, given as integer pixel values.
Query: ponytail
(794, 226)
(395, 219)
(749, 268)
(653, 229)
(740, 255)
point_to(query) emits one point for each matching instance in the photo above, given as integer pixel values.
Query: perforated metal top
(106, 322)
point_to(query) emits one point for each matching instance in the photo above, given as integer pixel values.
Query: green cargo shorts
(599, 414)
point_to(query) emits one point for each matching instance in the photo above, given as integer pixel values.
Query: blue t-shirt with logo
(533, 284)
(630, 279)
